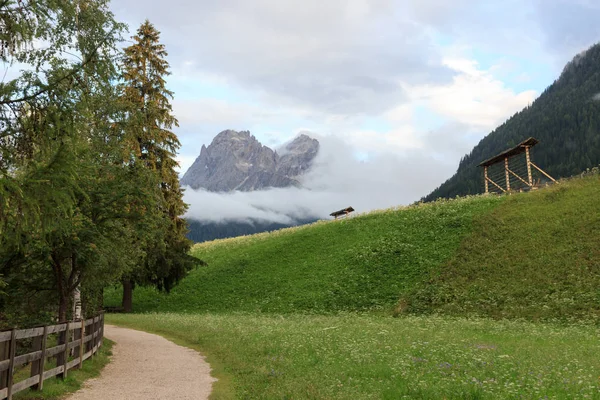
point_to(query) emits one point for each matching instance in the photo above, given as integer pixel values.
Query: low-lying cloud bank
(337, 179)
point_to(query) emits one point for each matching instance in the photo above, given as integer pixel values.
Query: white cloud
(336, 180)
(475, 97)
(338, 56)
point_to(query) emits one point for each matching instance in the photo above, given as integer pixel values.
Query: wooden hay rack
(512, 170)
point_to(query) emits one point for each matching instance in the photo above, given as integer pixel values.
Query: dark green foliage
(75, 210)
(56, 158)
(565, 119)
(152, 145)
(206, 231)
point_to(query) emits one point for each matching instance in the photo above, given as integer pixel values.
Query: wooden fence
(72, 343)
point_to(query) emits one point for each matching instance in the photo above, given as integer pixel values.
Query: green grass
(366, 356)
(531, 255)
(497, 297)
(55, 388)
(362, 263)
(535, 256)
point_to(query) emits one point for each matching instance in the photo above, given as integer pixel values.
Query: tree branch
(67, 76)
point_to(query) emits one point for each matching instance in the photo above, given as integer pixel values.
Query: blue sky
(416, 81)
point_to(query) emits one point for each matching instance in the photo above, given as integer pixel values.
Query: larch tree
(153, 145)
(71, 212)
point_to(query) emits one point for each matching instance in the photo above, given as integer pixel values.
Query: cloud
(336, 180)
(568, 26)
(475, 97)
(337, 56)
(409, 87)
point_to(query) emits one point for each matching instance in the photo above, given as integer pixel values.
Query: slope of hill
(361, 263)
(535, 256)
(565, 118)
(531, 255)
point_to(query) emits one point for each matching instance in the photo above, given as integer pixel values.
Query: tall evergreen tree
(152, 144)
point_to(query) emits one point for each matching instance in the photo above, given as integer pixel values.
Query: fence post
(37, 367)
(95, 335)
(102, 327)
(4, 355)
(13, 345)
(82, 334)
(88, 331)
(63, 357)
(97, 331)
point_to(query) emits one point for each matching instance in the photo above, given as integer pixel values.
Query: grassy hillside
(536, 256)
(362, 263)
(532, 255)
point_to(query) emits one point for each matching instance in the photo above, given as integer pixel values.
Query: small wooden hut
(342, 213)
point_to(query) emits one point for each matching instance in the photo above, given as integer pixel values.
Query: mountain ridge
(236, 160)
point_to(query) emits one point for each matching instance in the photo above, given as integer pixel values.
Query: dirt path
(146, 366)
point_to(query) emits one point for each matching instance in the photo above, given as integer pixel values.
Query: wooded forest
(89, 195)
(565, 119)
(203, 231)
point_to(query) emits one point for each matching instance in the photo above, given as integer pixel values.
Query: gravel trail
(147, 366)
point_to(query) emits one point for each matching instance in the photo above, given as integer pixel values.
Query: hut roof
(518, 149)
(342, 212)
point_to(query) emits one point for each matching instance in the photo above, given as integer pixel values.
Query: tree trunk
(77, 303)
(62, 307)
(127, 296)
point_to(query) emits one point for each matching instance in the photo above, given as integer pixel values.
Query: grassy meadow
(484, 297)
(366, 356)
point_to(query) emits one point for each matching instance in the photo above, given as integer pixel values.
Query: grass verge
(366, 356)
(55, 388)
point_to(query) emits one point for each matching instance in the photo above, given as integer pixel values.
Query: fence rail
(72, 343)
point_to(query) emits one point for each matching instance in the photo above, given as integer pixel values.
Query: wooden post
(485, 178)
(63, 358)
(507, 175)
(13, 345)
(82, 334)
(87, 331)
(4, 355)
(101, 328)
(94, 336)
(37, 367)
(543, 172)
(529, 177)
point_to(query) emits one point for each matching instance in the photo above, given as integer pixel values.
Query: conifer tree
(152, 144)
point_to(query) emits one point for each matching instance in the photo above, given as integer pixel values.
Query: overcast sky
(411, 85)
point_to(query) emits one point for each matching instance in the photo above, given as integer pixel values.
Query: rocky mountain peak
(238, 161)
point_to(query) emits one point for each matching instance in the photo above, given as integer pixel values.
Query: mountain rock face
(237, 161)
(565, 119)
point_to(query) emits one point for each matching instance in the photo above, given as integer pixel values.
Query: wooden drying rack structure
(505, 157)
(83, 338)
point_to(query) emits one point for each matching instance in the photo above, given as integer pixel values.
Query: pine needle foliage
(152, 144)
